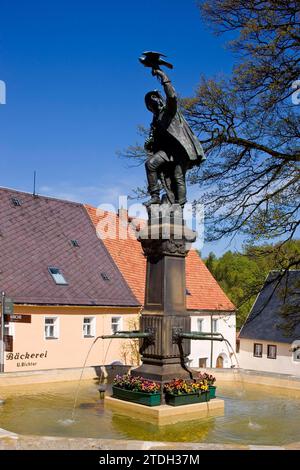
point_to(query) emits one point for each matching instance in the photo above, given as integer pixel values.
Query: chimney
(123, 223)
(123, 215)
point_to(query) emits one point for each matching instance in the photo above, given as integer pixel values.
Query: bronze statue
(172, 147)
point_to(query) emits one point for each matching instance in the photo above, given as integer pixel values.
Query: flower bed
(188, 399)
(183, 392)
(210, 379)
(137, 390)
(177, 392)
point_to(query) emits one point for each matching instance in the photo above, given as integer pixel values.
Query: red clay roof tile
(206, 294)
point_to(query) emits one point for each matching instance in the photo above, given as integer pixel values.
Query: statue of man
(172, 146)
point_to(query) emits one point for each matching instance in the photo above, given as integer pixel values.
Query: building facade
(60, 337)
(214, 353)
(265, 342)
(68, 287)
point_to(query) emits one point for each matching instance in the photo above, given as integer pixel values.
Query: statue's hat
(148, 97)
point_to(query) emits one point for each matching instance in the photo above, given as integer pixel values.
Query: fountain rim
(15, 440)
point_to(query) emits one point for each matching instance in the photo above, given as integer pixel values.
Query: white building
(264, 343)
(207, 353)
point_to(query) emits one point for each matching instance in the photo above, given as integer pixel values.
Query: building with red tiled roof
(208, 304)
(63, 283)
(204, 291)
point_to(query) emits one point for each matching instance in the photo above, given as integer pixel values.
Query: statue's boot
(155, 199)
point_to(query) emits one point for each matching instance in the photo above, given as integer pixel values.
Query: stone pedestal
(165, 242)
(163, 414)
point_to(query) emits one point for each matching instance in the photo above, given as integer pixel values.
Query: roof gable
(265, 321)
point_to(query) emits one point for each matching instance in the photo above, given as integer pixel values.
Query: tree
(250, 128)
(248, 125)
(239, 277)
(210, 261)
(130, 351)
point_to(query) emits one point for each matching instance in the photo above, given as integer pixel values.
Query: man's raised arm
(171, 97)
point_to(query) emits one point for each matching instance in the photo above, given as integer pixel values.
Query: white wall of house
(200, 356)
(285, 363)
(58, 337)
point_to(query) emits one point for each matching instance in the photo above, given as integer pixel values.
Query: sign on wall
(26, 359)
(18, 318)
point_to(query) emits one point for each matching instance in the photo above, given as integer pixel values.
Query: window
(16, 202)
(116, 324)
(272, 351)
(296, 354)
(9, 329)
(295, 348)
(75, 243)
(215, 326)
(202, 362)
(200, 324)
(51, 328)
(57, 276)
(238, 344)
(89, 327)
(258, 349)
(105, 277)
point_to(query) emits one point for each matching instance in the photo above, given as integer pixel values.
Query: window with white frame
(57, 276)
(215, 324)
(295, 348)
(89, 327)
(200, 324)
(296, 354)
(51, 328)
(116, 324)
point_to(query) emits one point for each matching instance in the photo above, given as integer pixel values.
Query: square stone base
(165, 414)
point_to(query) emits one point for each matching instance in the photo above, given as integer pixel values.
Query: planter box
(188, 399)
(212, 391)
(142, 398)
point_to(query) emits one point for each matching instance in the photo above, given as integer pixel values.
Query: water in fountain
(35, 409)
(70, 421)
(254, 426)
(235, 369)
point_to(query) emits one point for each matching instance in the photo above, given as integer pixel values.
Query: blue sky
(75, 89)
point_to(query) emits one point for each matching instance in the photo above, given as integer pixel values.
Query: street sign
(18, 318)
(8, 306)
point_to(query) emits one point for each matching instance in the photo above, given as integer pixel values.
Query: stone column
(165, 242)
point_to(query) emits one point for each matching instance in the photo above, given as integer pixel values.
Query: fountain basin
(260, 410)
(164, 414)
